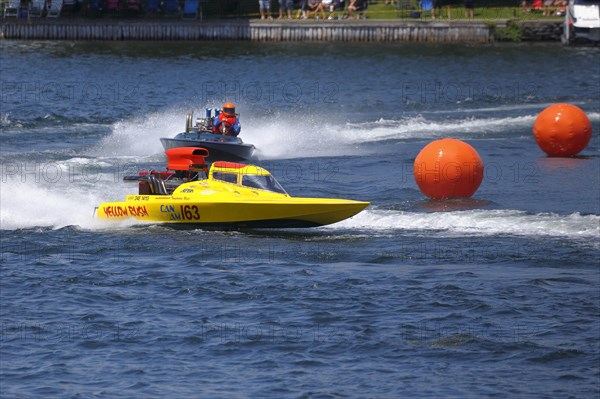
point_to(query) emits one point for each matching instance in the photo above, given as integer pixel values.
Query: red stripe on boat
(230, 165)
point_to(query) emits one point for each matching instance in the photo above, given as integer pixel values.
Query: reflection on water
(454, 204)
(574, 162)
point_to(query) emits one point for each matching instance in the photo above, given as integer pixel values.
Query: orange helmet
(229, 109)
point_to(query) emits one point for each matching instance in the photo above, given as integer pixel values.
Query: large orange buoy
(448, 168)
(562, 130)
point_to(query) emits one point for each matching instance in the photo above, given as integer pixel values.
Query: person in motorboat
(218, 132)
(227, 122)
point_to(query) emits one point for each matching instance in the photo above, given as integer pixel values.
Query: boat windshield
(227, 177)
(262, 182)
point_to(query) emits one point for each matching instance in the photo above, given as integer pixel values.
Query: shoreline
(474, 31)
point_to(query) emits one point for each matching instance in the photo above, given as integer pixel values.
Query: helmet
(229, 109)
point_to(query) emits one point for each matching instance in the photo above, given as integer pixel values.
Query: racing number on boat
(189, 212)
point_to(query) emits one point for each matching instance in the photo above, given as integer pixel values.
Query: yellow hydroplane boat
(227, 194)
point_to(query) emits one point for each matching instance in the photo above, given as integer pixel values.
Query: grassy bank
(380, 10)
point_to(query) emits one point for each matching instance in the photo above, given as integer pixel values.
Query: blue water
(497, 296)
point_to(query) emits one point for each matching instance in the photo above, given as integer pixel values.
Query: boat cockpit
(249, 176)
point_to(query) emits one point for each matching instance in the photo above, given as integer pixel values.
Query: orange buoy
(448, 168)
(562, 130)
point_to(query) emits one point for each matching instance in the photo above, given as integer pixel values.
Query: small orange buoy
(562, 130)
(448, 168)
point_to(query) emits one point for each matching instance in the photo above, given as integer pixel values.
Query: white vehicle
(582, 21)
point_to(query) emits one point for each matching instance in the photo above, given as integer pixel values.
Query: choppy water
(491, 297)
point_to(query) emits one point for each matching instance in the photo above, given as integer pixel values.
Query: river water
(496, 296)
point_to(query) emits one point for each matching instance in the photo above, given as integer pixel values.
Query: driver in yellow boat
(228, 122)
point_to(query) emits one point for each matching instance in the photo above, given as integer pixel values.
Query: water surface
(496, 296)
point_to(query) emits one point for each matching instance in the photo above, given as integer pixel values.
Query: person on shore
(316, 6)
(265, 9)
(548, 8)
(227, 123)
(469, 8)
(438, 8)
(286, 5)
(328, 5)
(302, 13)
(561, 7)
(356, 7)
(333, 6)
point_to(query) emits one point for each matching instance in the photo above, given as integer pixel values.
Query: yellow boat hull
(286, 212)
(232, 195)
